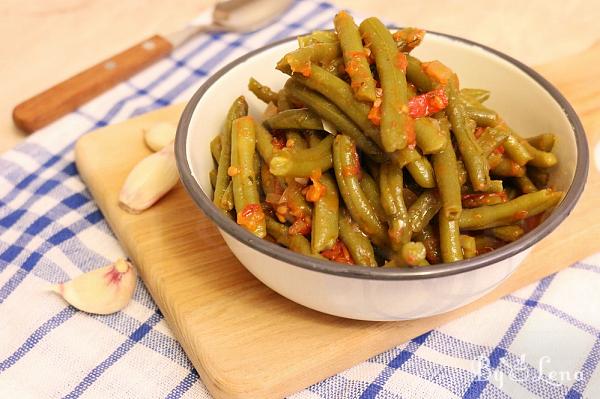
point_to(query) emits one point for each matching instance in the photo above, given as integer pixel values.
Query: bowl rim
(434, 271)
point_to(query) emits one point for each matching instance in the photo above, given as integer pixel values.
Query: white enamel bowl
(527, 101)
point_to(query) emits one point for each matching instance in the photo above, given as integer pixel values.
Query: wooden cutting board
(245, 340)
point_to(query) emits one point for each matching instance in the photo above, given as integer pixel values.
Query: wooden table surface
(43, 42)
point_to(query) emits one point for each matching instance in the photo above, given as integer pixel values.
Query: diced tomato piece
(338, 253)
(427, 103)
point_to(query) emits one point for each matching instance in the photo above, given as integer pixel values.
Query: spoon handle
(44, 108)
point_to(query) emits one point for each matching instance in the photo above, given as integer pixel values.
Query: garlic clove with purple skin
(149, 180)
(101, 291)
(159, 135)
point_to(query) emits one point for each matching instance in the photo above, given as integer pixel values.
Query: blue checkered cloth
(541, 341)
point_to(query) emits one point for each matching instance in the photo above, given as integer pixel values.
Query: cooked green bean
(475, 200)
(245, 187)
(525, 184)
(543, 142)
(299, 243)
(412, 254)
(355, 58)
(215, 148)
(472, 155)
(296, 202)
(408, 38)
(404, 156)
(397, 129)
(431, 241)
(278, 231)
(416, 75)
(468, 245)
(270, 184)
(487, 244)
(238, 109)
(212, 175)
(303, 162)
(449, 239)
(356, 241)
(331, 113)
(423, 210)
(516, 150)
(319, 36)
(283, 102)
(262, 92)
(422, 172)
(448, 182)
(264, 142)
(526, 205)
(392, 200)
(347, 168)
(481, 116)
(339, 92)
(495, 186)
(479, 95)
(541, 159)
(295, 141)
(490, 139)
(538, 176)
(462, 172)
(227, 198)
(301, 119)
(430, 138)
(371, 190)
(325, 217)
(508, 168)
(301, 59)
(507, 233)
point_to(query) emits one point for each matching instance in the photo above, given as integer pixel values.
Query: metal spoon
(225, 15)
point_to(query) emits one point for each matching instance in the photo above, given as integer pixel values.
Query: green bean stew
(370, 156)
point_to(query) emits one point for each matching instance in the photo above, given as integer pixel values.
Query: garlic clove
(159, 135)
(149, 180)
(102, 291)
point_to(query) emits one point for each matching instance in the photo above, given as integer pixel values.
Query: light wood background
(43, 42)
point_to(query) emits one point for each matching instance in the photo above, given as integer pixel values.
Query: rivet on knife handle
(68, 95)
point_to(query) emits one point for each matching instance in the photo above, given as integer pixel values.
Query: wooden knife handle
(68, 95)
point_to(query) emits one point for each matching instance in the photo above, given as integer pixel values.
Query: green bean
(525, 184)
(303, 162)
(412, 254)
(371, 190)
(431, 241)
(462, 172)
(262, 92)
(507, 233)
(283, 102)
(227, 198)
(396, 124)
(404, 156)
(270, 184)
(408, 38)
(472, 155)
(238, 108)
(430, 138)
(423, 210)
(474, 200)
(468, 245)
(448, 182)
(541, 159)
(316, 37)
(301, 59)
(526, 205)
(485, 244)
(339, 92)
(313, 138)
(331, 113)
(299, 243)
(215, 148)
(495, 186)
(212, 175)
(482, 116)
(543, 142)
(409, 197)
(490, 139)
(538, 176)
(508, 168)
(356, 241)
(422, 172)
(392, 201)
(479, 95)
(516, 150)
(335, 67)
(325, 217)
(347, 168)
(355, 57)
(449, 239)
(296, 202)
(295, 141)
(278, 231)
(301, 119)
(264, 143)
(416, 75)
(245, 187)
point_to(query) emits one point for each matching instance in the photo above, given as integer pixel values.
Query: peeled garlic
(159, 135)
(102, 291)
(149, 180)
